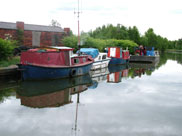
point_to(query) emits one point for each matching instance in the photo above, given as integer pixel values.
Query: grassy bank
(12, 61)
(173, 50)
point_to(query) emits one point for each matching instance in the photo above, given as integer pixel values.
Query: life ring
(72, 72)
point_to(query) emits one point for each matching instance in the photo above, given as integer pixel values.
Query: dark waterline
(139, 99)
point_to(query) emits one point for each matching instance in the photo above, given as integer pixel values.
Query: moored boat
(100, 59)
(53, 62)
(145, 54)
(118, 56)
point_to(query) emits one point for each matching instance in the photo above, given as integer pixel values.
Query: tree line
(119, 35)
(133, 34)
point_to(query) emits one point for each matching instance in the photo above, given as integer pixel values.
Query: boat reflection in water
(139, 69)
(112, 74)
(98, 76)
(117, 73)
(51, 93)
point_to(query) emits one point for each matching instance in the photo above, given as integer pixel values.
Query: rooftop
(31, 27)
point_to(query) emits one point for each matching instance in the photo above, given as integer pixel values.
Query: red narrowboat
(53, 62)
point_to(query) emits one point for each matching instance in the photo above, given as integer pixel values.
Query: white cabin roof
(56, 47)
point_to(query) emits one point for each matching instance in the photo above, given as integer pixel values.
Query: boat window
(104, 57)
(84, 59)
(76, 61)
(99, 57)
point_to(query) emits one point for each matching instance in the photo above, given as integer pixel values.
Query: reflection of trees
(175, 56)
(139, 69)
(134, 72)
(148, 72)
(7, 92)
(7, 89)
(169, 56)
(163, 60)
(149, 69)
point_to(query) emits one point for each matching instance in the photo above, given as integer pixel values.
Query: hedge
(99, 43)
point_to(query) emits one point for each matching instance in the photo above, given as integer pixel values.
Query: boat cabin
(52, 56)
(117, 52)
(100, 59)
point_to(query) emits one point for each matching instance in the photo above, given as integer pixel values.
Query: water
(139, 100)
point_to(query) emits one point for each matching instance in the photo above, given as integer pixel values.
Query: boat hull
(31, 72)
(118, 61)
(149, 59)
(115, 68)
(100, 64)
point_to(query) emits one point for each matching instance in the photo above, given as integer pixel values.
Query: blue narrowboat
(52, 63)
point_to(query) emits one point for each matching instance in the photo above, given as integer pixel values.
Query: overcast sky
(164, 16)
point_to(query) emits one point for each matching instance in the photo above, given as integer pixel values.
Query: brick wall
(4, 32)
(46, 38)
(27, 38)
(20, 25)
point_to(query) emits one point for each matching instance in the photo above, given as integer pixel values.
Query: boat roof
(32, 27)
(102, 53)
(62, 47)
(50, 49)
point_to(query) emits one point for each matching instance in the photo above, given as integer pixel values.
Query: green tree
(134, 34)
(110, 32)
(70, 41)
(179, 44)
(6, 48)
(55, 23)
(151, 37)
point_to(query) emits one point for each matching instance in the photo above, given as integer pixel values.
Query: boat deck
(147, 59)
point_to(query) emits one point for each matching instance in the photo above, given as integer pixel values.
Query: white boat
(100, 59)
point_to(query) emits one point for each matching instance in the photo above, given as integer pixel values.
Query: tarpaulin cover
(150, 53)
(90, 51)
(150, 48)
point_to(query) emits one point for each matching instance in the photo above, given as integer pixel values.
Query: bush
(94, 43)
(70, 41)
(100, 44)
(6, 49)
(122, 43)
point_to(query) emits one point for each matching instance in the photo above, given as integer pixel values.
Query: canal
(138, 99)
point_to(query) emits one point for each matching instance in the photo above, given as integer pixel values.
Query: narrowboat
(118, 56)
(52, 63)
(100, 59)
(145, 54)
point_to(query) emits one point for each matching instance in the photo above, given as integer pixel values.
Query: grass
(12, 61)
(173, 50)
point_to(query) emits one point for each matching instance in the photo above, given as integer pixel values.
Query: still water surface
(141, 99)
